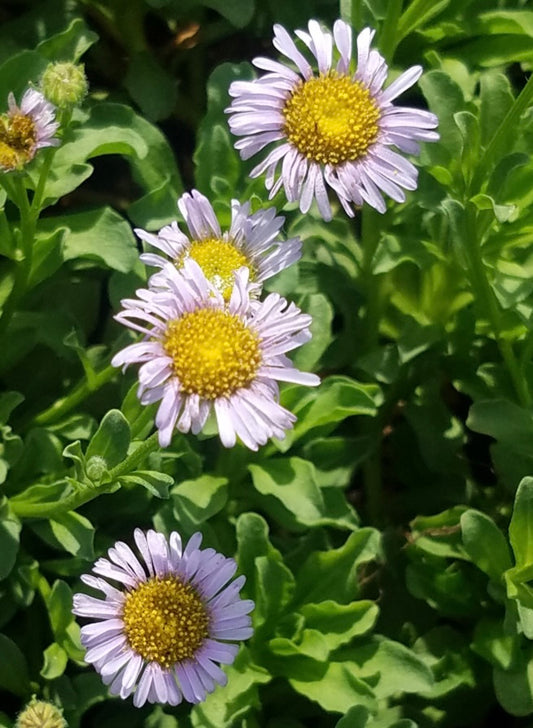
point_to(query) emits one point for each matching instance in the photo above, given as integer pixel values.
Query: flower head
(40, 714)
(337, 128)
(167, 620)
(202, 354)
(252, 241)
(25, 129)
(64, 84)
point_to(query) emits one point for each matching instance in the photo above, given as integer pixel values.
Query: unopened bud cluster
(40, 714)
(64, 84)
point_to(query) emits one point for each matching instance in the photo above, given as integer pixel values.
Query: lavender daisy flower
(252, 241)
(337, 128)
(168, 620)
(25, 129)
(201, 354)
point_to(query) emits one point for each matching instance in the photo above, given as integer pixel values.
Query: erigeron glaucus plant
(337, 128)
(253, 240)
(368, 611)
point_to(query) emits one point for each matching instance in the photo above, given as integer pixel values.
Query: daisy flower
(202, 354)
(252, 241)
(337, 128)
(25, 129)
(166, 620)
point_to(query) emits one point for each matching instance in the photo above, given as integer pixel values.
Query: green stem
(389, 37)
(86, 493)
(416, 14)
(372, 477)
(36, 203)
(500, 140)
(351, 11)
(371, 225)
(137, 456)
(488, 304)
(27, 238)
(80, 392)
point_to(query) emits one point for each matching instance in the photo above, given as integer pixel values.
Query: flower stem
(137, 456)
(80, 392)
(418, 12)
(85, 493)
(370, 234)
(488, 304)
(389, 37)
(27, 239)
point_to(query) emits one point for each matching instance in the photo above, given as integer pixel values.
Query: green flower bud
(40, 714)
(64, 84)
(96, 468)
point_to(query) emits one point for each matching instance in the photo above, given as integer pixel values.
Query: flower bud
(40, 714)
(64, 84)
(96, 468)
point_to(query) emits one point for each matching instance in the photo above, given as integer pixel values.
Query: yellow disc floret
(213, 352)
(331, 119)
(165, 621)
(218, 259)
(17, 140)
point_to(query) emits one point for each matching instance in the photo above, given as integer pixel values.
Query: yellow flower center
(213, 352)
(331, 119)
(17, 140)
(219, 259)
(8, 157)
(165, 621)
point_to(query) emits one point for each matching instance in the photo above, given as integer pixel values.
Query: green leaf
(521, 526)
(100, 235)
(440, 534)
(503, 420)
(333, 574)
(495, 645)
(151, 86)
(274, 590)
(70, 44)
(356, 717)
(485, 544)
(217, 162)
(13, 668)
(9, 538)
(397, 668)
(514, 687)
(269, 582)
(19, 70)
(340, 623)
(68, 531)
(59, 603)
(8, 402)
(155, 483)
(333, 401)
(310, 643)
(445, 98)
(55, 662)
(292, 483)
(111, 440)
(496, 99)
(337, 690)
(115, 129)
(318, 306)
(201, 498)
(238, 12)
(227, 704)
